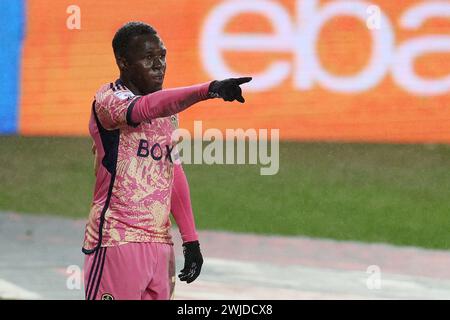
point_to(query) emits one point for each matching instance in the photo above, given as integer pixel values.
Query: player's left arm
(182, 212)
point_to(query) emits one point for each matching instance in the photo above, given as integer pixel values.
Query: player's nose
(158, 64)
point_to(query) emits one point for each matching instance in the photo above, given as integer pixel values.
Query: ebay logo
(300, 35)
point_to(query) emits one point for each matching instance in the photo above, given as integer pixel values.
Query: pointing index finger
(243, 80)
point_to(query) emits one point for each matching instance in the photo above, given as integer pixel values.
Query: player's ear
(122, 63)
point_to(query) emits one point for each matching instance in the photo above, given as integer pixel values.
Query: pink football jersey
(131, 201)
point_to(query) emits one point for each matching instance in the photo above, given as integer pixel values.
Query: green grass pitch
(397, 194)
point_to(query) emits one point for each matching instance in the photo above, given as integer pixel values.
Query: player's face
(146, 63)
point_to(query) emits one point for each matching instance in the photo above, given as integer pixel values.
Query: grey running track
(36, 252)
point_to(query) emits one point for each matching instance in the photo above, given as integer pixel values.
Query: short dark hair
(123, 36)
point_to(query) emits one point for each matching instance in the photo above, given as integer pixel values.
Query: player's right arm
(94, 152)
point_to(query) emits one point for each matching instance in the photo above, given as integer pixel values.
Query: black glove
(193, 261)
(228, 89)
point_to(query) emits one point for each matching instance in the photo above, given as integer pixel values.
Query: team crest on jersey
(124, 95)
(174, 121)
(107, 296)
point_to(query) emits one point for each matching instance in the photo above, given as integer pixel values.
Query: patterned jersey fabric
(134, 180)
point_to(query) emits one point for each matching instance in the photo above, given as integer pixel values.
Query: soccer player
(127, 245)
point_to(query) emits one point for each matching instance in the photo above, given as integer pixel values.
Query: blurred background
(360, 91)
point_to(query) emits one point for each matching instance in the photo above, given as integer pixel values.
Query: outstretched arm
(168, 102)
(118, 109)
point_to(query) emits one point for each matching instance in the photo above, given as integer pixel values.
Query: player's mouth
(158, 78)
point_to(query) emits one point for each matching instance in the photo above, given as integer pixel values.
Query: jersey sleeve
(181, 206)
(113, 108)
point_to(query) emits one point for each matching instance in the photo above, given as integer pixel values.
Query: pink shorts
(132, 271)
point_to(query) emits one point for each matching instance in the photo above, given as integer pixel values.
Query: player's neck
(133, 88)
(130, 85)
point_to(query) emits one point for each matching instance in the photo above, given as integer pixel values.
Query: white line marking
(230, 279)
(9, 290)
